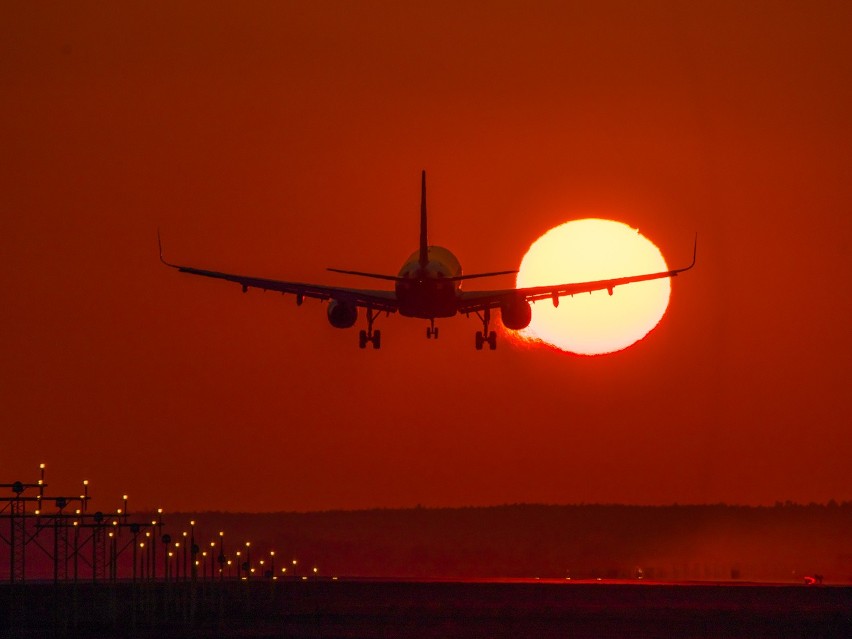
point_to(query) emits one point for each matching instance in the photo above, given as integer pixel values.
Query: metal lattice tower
(18, 542)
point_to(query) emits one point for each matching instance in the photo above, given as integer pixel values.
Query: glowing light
(590, 250)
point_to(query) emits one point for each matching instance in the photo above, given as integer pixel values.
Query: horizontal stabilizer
(473, 276)
(396, 278)
(377, 276)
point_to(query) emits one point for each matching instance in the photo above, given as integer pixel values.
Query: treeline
(683, 542)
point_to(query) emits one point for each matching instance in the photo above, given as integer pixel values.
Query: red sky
(277, 139)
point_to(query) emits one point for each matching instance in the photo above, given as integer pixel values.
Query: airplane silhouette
(428, 286)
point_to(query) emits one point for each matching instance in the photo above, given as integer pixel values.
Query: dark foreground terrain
(352, 608)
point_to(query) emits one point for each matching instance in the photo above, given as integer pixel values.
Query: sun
(597, 323)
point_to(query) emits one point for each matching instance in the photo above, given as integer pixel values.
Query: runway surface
(352, 608)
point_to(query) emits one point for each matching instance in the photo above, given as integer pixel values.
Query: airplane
(428, 286)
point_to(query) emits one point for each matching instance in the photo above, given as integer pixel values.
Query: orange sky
(278, 139)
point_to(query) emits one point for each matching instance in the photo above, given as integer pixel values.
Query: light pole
(154, 550)
(166, 539)
(185, 552)
(177, 561)
(193, 564)
(147, 559)
(222, 558)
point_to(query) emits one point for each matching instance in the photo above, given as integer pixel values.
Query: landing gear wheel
(484, 335)
(374, 337)
(431, 330)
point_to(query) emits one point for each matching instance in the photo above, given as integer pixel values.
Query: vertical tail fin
(424, 246)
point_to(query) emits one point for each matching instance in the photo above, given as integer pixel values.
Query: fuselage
(428, 291)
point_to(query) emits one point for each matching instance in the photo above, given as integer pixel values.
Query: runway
(367, 609)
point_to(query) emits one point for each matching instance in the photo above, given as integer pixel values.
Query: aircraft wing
(472, 301)
(384, 301)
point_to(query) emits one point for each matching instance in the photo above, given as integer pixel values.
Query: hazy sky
(277, 139)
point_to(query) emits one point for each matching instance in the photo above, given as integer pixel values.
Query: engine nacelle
(516, 314)
(342, 314)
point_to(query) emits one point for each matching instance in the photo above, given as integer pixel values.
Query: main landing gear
(431, 330)
(484, 335)
(374, 337)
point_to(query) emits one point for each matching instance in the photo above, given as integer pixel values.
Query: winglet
(694, 255)
(424, 246)
(695, 249)
(160, 244)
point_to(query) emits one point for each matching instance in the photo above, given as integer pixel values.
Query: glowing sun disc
(588, 250)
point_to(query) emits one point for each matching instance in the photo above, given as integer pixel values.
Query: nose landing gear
(431, 330)
(484, 336)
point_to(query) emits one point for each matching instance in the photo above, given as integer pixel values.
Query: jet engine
(342, 314)
(516, 314)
